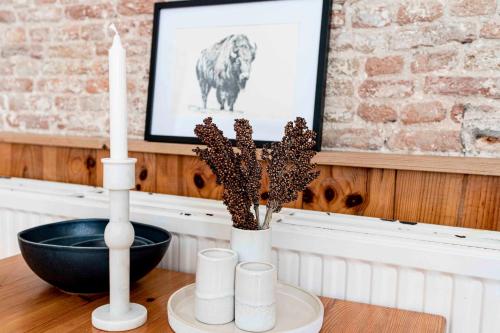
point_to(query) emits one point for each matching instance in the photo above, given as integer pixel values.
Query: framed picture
(263, 60)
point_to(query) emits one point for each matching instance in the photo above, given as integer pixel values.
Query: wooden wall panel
(197, 179)
(5, 157)
(169, 174)
(145, 172)
(75, 165)
(428, 197)
(354, 191)
(415, 196)
(480, 207)
(26, 161)
(49, 156)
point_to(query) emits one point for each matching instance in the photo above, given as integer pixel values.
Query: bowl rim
(20, 236)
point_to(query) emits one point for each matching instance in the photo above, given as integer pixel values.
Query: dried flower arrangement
(288, 164)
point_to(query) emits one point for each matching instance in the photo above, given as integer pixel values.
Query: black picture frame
(320, 75)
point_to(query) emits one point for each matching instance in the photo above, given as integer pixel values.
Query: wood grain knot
(138, 187)
(329, 194)
(150, 299)
(90, 162)
(143, 175)
(264, 195)
(198, 181)
(307, 196)
(353, 200)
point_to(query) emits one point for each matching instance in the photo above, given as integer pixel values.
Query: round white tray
(297, 312)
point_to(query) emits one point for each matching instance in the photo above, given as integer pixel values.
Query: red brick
(377, 113)
(69, 51)
(94, 103)
(491, 30)
(7, 67)
(48, 14)
(338, 109)
(381, 66)
(12, 50)
(357, 138)
(66, 103)
(434, 61)
(425, 112)
(96, 86)
(386, 89)
(137, 48)
(463, 86)
(28, 120)
(14, 36)
(339, 87)
(66, 85)
(342, 66)
(40, 34)
(93, 32)
(28, 68)
(16, 85)
(419, 11)
(472, 7)
(7, 16)
(371, 16)
(457, 113)
(337, 17)
(80, 12)
(426, 141)
(67, 33)
(482, 59)
(135, 7)
(433, 34)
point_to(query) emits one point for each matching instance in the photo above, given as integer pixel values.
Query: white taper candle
(118, 98)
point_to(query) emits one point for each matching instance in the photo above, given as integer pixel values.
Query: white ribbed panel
(421, 268)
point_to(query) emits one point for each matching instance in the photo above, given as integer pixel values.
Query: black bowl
(73, 257)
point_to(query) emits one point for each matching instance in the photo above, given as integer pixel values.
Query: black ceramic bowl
(73, 257)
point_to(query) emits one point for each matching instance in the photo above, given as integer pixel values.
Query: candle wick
(113, 28)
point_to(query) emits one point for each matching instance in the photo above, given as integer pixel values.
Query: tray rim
(171, 313)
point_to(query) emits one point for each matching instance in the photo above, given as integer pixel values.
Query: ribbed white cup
(214, 295)
(255, 296)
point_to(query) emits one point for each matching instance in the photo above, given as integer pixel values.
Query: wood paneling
(415, 196)
(76, 165)
(26, 161)
(480, 205)
(5, 156)
(145, 171)
(428, 196)
(447, 164)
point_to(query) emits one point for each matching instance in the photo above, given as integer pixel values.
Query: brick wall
(406, 76)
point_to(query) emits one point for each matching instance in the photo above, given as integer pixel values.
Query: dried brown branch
(249, 165)
(289, 166)
(226, 165)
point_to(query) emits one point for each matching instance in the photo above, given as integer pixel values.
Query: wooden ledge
(447, 164)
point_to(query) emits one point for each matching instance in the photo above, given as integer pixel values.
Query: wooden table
(27, 304)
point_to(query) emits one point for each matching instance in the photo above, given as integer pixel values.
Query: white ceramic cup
(252, 245)
(255, 296)
(214, 296)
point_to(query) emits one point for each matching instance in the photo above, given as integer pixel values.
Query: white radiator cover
(416, 267)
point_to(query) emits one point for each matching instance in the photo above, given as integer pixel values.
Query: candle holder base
(103, 320)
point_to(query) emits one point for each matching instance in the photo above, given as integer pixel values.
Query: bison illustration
(226, 67)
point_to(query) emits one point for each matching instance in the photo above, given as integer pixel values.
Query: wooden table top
(28, 304)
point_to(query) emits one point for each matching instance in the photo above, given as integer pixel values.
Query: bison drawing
(226, 67)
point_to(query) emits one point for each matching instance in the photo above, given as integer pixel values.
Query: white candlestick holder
(119, 314)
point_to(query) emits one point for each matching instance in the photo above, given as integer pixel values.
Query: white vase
(252, 245)
(255, 296)
(214, 294)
